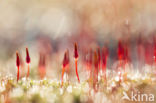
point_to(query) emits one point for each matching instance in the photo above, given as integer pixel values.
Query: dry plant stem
(76, 70)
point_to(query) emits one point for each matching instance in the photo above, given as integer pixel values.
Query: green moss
(77, 99)
(21, 99)
(36, 98)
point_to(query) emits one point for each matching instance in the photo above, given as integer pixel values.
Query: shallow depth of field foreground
(83, 51)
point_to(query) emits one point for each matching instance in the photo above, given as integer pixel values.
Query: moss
(25, 89)
(77, 99)
(21, 99)
(36, 98)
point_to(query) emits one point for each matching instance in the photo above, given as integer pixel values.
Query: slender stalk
(104, 71)
(27, 60)
(17, 73)
(77, 71)
(28, 71)
(76, 58)
(105, 53)
(120, 70)
(18, 65)
(96, 70)
(99, 58)
(63, 70)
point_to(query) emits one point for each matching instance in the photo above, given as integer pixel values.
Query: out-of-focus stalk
(76, 59)
(27, 61)
(18, 65)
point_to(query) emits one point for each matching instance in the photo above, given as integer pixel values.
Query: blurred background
(49, 27)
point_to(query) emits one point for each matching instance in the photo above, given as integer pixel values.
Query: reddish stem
(155, 53)
(105, 53)
(42, 65)
(18, 74)
(17, 64)
(76, 70)
(27, 60)
(63, 69)
(95, 74)
(104, 71)
(28, 71)
(99, 59)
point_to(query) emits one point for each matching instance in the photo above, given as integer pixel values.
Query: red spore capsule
(17, 60)
(27, 56)
(75, 51)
